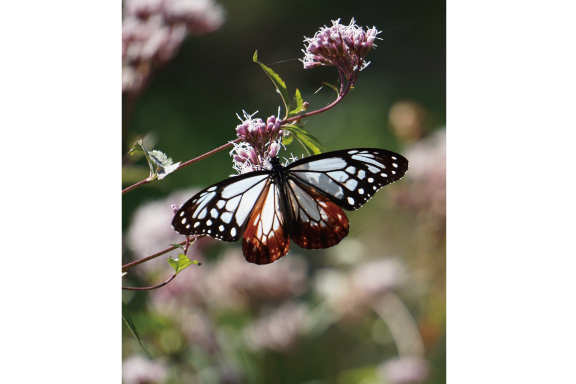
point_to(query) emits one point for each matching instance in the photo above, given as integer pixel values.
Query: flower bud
(174, 208)
(274, 148)
(253, 156)
(241, 130)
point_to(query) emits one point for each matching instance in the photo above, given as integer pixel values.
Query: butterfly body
(303, 201)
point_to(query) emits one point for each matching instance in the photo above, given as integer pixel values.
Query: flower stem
(150, 288)
(339, 99)
(145, 259)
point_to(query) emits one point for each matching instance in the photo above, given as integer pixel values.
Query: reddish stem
(339, 99)
(143, 260)
(150, 288)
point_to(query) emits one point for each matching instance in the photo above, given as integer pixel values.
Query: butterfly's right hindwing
(222, 210)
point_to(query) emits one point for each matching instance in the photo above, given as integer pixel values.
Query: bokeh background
(370, 310)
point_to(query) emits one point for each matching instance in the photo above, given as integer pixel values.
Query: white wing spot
(338, 176)
(214, 213)
(351, 170)
(383, 175)
(374, 187)
(370, 180)
(351, 184)
(211, 189)
(373, 169)
(209, 231)
(393, 158)
(247, 203)
(182, 213)
(361, 191)
(351, 201)
(188, 226)
(202, 214)
(203, 202)
(221, 228)
(241, 186)
(366, 159)
(196, 224)
(233, 232)
(352, 152)
(330, 164)
(395, 165)
(184, 221)
(393, 172)
(220, 204)
(226, 217)
(361, 174)
(209, 223)
(233, 203)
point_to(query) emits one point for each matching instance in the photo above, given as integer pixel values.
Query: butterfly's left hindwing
(222, 210)
(350, 177)
(266, 238)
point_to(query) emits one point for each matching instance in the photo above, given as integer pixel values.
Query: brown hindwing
(318, 223)
(265, 239)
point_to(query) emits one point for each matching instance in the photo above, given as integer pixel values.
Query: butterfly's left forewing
(222, 210)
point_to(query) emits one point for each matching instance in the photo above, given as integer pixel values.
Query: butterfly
(302, 201)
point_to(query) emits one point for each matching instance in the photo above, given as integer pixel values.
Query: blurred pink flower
(353, 292)
(405, 370)
(425, 186)
(150, 231)
(277, 330)
(153, 30)
(140, 370)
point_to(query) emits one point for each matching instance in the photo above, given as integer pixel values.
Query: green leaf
(177, 246)
(138, 147)
(160, 165)
(164, 164)
(333, 87)
(297, 104)
(128, 320)
(305, 138)
(278, 83)
(181, 262)
(287, 138)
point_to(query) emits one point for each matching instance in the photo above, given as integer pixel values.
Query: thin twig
(308, 114)
(140, 261)
(150, 288)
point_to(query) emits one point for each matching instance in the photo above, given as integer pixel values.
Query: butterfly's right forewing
(223, 209)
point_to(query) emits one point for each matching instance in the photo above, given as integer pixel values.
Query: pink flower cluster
(258, 133)
(153, 30)
(341, 46)
(262, 142)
